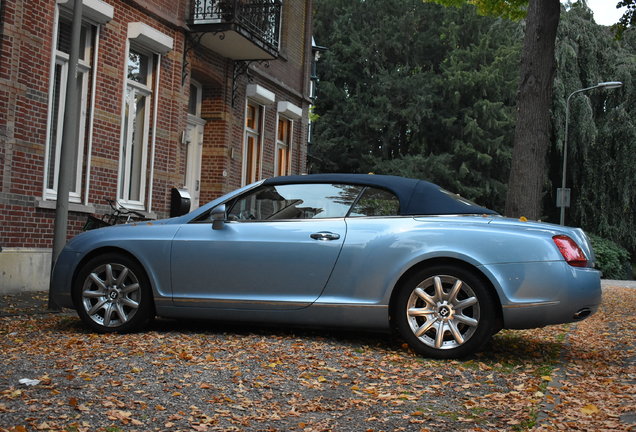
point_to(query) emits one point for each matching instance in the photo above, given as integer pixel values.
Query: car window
(376, 202)
(302, 201)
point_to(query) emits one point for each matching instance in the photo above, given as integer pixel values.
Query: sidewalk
(25, 303)
(36, 302)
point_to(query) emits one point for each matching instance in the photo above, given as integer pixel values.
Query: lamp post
(561, 197)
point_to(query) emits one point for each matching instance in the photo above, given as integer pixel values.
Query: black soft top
(417, 197)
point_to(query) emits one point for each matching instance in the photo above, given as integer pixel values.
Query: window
(146, 45)
(301, 201)
(252, 144)
(282, 165)
(136, 123)
(58, 104)
(376, 202)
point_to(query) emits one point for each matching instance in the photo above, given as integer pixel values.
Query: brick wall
(27, 28)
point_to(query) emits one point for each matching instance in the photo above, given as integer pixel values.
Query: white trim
(155, 96)
(91, 114)
(49, 114)
(94, 10)
(85, 69)
(122, 136)
(260, 94)
(125, 158)
(289, 110)
(150, 38)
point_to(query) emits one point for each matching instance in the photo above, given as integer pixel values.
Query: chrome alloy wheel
(443, 312)
(111, 295)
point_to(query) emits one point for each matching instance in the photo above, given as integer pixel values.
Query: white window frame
(150, 42)
(127, 176)
(86, 71)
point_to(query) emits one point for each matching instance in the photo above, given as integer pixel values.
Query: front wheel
(445, 312)
(112, 294)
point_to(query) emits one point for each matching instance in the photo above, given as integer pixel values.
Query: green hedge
(611, 259)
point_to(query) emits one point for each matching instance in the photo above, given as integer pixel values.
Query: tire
(112, 293)
(445, 312)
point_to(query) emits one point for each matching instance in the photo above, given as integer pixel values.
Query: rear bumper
(538, 294)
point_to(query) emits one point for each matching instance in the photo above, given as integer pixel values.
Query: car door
(276, 250)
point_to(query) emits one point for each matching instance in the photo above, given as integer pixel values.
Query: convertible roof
(417, 197)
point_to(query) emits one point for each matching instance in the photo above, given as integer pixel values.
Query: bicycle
(118, 215)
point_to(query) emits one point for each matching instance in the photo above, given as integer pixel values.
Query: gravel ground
(202, 376)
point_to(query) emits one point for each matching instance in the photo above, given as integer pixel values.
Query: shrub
(611, 259)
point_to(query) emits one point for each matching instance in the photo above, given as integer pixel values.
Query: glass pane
(122, 191)
(80, 139)
(64, 31)
(283, 161)
(250, 118)
(194, 98)
(138, 67)
(64, 38)
(376, 202)
(282, 130)
(250, 159)
(55, 132)
(303, 201)
(137, 147)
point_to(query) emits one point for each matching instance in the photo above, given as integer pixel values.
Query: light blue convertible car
(337, 250)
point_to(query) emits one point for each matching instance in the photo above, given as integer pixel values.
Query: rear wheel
(445, 312)
(112, 294)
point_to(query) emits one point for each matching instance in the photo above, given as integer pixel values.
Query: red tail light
(570, 250)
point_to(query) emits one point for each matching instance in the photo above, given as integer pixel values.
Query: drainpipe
(69, 141)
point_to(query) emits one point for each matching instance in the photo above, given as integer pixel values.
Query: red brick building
(206, 95)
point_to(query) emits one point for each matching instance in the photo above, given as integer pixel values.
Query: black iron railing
(260, 18)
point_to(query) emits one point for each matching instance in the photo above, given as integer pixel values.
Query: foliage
(418, 90)
(198, 376)
(424, 91)
(611, 259)
(628, 19)
(602, 130)
(510, 9)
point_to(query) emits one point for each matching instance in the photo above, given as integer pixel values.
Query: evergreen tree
(419, 90)
(602, 128)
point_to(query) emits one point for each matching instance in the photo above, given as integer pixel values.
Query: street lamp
(561, 193)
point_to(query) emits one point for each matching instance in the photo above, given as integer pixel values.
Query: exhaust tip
(582, 314)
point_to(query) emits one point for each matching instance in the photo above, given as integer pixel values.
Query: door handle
(325, 235)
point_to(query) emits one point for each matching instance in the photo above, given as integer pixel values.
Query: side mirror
(218, 217)
(179, 202)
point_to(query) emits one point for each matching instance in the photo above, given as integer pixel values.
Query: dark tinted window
(376, 202)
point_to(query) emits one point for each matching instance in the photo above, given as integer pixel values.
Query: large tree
(527, 180)
(416, 89)
(533, 128)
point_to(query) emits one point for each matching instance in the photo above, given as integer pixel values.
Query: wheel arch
(112, 249)
(437, 261)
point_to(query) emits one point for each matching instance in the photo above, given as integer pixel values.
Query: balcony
(238, 29)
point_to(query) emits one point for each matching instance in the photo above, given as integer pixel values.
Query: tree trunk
(533, 129)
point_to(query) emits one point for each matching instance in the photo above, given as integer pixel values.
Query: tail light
(570, 250)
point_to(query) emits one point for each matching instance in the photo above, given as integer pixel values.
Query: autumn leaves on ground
(205, 377)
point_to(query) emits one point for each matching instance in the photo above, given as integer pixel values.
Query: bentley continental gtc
(336, 250)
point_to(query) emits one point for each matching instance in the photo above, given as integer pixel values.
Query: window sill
(148, 215)
(74, 207)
